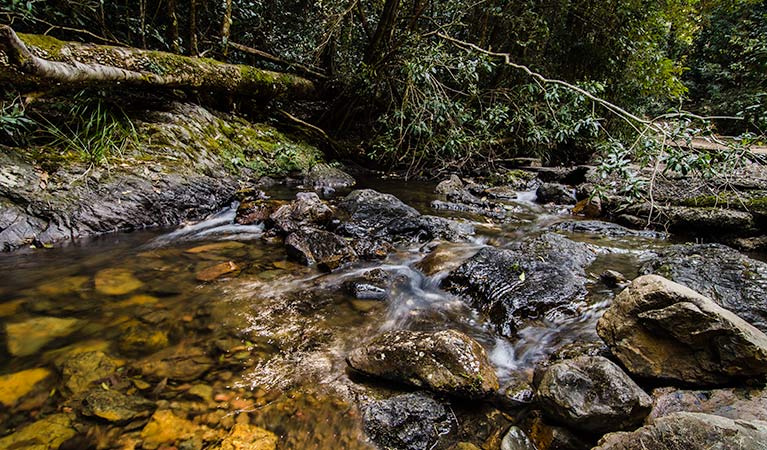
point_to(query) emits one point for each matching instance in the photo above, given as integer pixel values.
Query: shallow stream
(266, 343)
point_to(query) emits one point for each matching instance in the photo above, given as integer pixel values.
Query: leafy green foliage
(14, 123)
(92, 128)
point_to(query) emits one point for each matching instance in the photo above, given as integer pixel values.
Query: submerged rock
(45, 434)
(116, 282)
(306, 211)
(661, 329)
(732, 280)
(14, 386)
(82, 369)
(591, 393)
(247, 437)
(28, 337)
(217, 271)
(182, 363)
(406, 422)
(690, 431)
(139, 338)
(736, 404)
(113, 406)
(324, 249)
(167, 428)
(448, 362)
(542, 278)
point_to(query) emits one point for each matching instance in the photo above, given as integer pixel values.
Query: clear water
(278, 332)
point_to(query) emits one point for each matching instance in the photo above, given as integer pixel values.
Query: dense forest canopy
(424, 83)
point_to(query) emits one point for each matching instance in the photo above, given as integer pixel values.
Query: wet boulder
(326, 250)
(661, 329)
(731, 279)
(369, 214)
(306, 211)
(541, 278)
(447, 362)
(690, 431)
(591, 393)
(606, 229)
(372, 284)
(736, 404)
(406, 422)
(255, 207)
(449, 186)
(555, 193)
(325, 176)
(516, 439)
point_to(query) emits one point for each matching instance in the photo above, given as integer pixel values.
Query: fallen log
(38, 61)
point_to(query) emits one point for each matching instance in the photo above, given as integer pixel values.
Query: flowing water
(264, 344)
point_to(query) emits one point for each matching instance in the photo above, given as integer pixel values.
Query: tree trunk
(383, 32)
(175, 44)
(76, 65)
(193, 50)
(226, 26)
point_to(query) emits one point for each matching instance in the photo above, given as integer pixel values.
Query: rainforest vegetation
(422, 84)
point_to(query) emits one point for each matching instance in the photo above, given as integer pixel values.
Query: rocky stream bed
(325, 314)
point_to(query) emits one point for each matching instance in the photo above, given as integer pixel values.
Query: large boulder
(605, 229)
(661, 329)
(325, 176)
(743, 403)
(306, 210)
(732, 280)
(591, 393)
(555, 193)
(326, 250)
(406, 422)
(370, 214)
(681, 431)
(542, 278)
(448, 362)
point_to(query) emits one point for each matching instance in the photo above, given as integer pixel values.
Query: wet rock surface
(731, 279)
(736, 404)
(591, 393)
(555, 193)
(447, 362)
(542, 277)
(306, 211)
(324, 249)
(323, 176)
(406, 422)
(688, 431)
(372, 284)
(47, 433)
(370, 214)
(607, 229)
(661, 329)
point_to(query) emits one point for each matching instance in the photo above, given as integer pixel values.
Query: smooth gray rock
(324, 249)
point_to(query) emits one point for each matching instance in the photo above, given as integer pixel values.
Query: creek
(265, 344)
